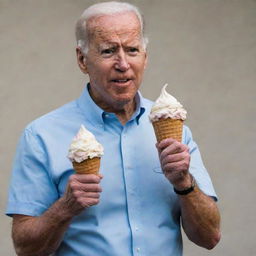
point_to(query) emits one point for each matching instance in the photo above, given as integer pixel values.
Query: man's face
(116, 59)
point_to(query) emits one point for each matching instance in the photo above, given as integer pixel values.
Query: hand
(175, 158)
(83, 191)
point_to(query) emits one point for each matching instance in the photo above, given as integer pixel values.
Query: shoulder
(187, 135)
(58, 117)
(187, 132)
(147, 102)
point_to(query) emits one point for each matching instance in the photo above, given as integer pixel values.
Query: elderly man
(131, 208)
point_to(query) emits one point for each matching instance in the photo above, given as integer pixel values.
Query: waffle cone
(88, 166)
(168, 128)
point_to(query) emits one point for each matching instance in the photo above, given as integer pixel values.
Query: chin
(125, 98)
(121, 101)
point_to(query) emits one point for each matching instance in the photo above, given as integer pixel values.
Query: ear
(146, 60)
(81, 60)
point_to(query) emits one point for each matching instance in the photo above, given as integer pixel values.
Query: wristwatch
(187, 190)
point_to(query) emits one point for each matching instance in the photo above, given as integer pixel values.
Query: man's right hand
(83, 191)
(42, 235)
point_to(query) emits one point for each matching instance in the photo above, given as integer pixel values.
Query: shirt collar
(94, 113)
(140, 108)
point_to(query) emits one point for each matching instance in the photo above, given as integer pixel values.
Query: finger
(174, 148)
(87, 202)
(172, 158)
(92, 194)
(91, 188)
(88, 178)
(176, 166)
(84, 178)
(165, 143)
(77, 186)
(79, 194)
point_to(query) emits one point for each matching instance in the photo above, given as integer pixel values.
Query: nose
(122, 64)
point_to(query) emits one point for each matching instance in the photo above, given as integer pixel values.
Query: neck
(123, 111)
(126, 113)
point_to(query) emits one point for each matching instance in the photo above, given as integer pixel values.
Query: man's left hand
(175, 158)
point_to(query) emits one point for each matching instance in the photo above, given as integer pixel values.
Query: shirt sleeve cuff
(29, 209)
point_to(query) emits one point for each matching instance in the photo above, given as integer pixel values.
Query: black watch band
(188, 190)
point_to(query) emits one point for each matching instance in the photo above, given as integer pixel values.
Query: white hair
(105, 8)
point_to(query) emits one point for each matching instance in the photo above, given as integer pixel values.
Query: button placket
(133, 203)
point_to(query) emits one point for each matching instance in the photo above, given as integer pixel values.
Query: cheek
(140, 66)
(140, 71)
(95, 64)
(98, 71)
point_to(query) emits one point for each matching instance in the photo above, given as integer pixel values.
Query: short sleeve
(197, 168)
(32, 189)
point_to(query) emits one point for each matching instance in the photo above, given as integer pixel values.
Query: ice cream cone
(85, 152)
(88, 166)
(167, 116)
(168, 128)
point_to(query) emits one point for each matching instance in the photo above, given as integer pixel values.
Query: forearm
(41, 236)
(200, 218)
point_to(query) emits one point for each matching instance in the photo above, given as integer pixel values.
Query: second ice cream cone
(88, 166)
(167, 116)
(85, 152)
(168, 128)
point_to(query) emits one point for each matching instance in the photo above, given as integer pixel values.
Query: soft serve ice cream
(167, 116)
(166, 106)
(84, 146)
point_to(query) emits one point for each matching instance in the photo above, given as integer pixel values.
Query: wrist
(184, 190)
(62, 211)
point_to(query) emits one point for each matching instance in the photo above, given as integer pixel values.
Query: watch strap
(187, 190)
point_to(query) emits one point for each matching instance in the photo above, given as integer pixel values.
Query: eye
(108, 51)
(133, 51)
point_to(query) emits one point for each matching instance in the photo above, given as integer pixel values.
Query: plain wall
(204, 49)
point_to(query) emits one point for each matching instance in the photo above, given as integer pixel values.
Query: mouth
(121, 81)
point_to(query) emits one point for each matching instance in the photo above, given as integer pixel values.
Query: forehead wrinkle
(112, 31)
(113, 36)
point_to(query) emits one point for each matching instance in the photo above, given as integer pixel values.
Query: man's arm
(41, 236)
(200, 218)
(200, 215)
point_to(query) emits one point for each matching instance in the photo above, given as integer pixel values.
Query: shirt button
(136, 228)
(138, 249)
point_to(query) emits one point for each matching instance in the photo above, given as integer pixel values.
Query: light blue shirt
(138, 213)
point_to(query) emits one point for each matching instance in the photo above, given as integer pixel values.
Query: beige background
(204, 49)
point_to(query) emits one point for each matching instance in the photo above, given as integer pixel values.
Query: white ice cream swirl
(166, 106)
(84, 146)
